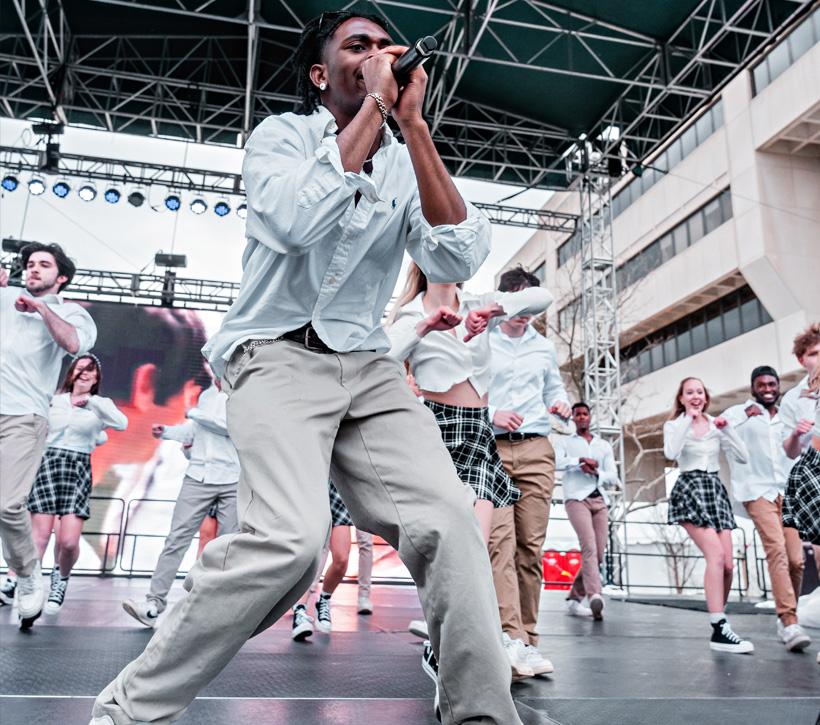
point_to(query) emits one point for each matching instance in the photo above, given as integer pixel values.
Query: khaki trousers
(517, 535)
(784, 555)
(294, 415)
(589, 518)
(364, 545)
(22, 441)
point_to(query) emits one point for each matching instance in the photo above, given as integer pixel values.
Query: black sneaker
(725, 640)
(57, 594)
(430, 666)
(323, 614)
(7, 589)
(302, 623)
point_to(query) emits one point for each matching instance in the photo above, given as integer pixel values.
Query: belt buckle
(516, 436)
(313, 348)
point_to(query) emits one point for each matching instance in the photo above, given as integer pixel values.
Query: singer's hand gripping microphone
(422, 49)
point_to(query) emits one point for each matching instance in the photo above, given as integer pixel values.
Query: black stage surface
(645, 665)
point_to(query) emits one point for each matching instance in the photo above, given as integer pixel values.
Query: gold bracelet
(380, 103)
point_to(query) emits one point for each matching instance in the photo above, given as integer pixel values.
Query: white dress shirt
(314, 255)
(82, 429)
(764, 474)
(212, 455)
(441, 359)
(569, 449)
(701, 454)
(793, 409)
(30, 359)
(524, 378)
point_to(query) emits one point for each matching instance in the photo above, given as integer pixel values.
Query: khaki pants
(518, 533)
(589, 518)
(364, 545)
(784, 555)
(22, 441)
(293, 415)
(193, 502)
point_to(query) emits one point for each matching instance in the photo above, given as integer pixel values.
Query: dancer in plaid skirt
(699, 501)
(58, 501)
(437, 329)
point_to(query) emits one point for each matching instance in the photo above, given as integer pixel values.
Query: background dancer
(760, 484)
(303, 340)
(37, 329)
(437, 330)
(211, 478)
(589, 468)
(525, 389)
(699, 502)
(59, 499)
(797, 408)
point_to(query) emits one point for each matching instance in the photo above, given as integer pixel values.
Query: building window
(738, 312)
(569, 248)
(541, 272)
(784, 55)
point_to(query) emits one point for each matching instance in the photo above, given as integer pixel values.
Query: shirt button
(332, 280)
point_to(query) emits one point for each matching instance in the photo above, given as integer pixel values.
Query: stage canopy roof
(516, 83)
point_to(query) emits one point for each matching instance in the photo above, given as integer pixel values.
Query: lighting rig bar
(177, 178)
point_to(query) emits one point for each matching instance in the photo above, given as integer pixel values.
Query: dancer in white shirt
(441, 332)
(59, 499)
(589, 469)
(211, 478)
(37, 329)
(699, 501)
(760, 484)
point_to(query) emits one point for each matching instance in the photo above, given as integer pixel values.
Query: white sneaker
(365, 605)
(596, 606)
(794, 637)
(56, 595)
(576, 609)
(302, 623)
(517, 655)
(539, 664)
(419, 628)
(144, 612)
(30, 595)
(103, 720)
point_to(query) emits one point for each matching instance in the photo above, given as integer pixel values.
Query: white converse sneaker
(302, 623)
(419, 628)
(576, 609)
(596, 606)
(795, 638)
(30, 595)
(323, 623)
(56, 595)
(517, 655)
(539, 664)
(145, 612)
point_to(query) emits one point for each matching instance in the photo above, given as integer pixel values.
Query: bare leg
(41, 526)
(339, 554)
(312, 589)
(484, 514)
(207, 532)
(68, 542)
(710, 545)
(728, 563)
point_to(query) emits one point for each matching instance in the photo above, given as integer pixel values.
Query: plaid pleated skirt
(801, 504)
(62, 485)
(699, 498)
(468, 436)
(339, 515)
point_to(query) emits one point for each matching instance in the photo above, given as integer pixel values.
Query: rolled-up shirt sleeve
(295, 196)
(82, 322)
(448, 252)
(403, 336)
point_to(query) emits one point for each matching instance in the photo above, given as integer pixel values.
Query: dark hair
(71, 375)
(764, 370)
(65, 267)
(517, 279)
(315, 36)
(581, 404)
(678, 407)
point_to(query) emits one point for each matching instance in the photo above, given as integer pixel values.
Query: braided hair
(315, 35)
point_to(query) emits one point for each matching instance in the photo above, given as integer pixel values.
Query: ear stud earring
(322, 86)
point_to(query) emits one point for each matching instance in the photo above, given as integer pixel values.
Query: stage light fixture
(136, 198)
(112, 195)
(10, 182)
(172, 202)
(170, 260)
(242, 210)
(87, 192)
(36, 186)
(61, 189)
(199, 206)
(222, 208)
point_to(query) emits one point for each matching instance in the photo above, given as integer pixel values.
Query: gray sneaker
(794, 637)
(144, 612)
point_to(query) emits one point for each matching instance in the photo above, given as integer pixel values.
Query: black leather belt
(308, 337)
(516, 436)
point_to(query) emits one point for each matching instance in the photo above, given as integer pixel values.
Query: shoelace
(302, 616)
(727, 632)
(323, 608)
(57, 593)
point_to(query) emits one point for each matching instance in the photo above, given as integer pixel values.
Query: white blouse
(441, 359)
(701, 454)
(82, 429)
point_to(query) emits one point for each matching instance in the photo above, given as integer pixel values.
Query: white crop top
(441, 359)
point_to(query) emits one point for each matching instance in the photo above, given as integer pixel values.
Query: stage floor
(644, 665)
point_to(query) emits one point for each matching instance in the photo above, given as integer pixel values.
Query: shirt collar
(324, 116)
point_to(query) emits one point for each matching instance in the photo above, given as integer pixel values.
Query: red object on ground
(560, 567)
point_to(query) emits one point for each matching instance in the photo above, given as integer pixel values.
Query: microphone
(422, 49)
